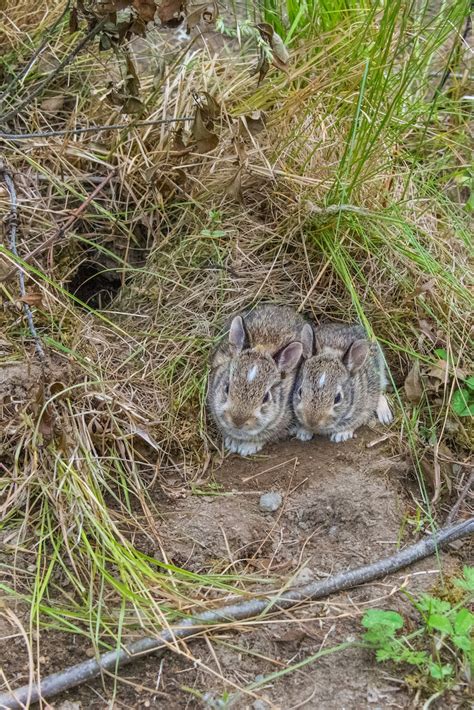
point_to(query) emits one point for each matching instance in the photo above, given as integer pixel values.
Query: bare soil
(343, 506)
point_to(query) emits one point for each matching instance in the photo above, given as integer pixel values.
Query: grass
(352, 205)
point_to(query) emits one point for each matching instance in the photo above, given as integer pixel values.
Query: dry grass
(119, 406)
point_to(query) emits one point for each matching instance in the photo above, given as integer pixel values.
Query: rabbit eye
(266, 397)
(337, 398)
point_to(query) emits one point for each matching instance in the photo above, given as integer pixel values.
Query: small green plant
(441, 649)
(462, 402)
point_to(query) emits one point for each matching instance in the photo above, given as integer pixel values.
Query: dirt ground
(343, 506)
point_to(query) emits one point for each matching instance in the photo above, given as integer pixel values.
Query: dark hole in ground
(94, 286)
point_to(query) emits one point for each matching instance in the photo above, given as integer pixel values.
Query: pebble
(260, 705)
(304, 576)
(269, 502)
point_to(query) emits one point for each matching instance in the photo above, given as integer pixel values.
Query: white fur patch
(252, 373)
(322, 380)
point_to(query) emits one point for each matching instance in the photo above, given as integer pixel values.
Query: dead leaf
(33, 298)
(428, 330)
(170, 12)
(205, 139)
(234, 187)
(280, 54)
(254, 123)
(293, 635)
(441, 371)
(53, 104)
(413, 384)
(132, 82)
(73, 20)
(427, 287)
(105, 43)
(146, 9)
(138, 27)
(208, 12)
(132, 105)
(241, 150)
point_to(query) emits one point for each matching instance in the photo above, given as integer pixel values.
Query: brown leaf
(138, 27)
(442, 369)
(73, 20)
(146, 9)
(53, 104)
(33, 298)
(132, 82)
(280, 54)
(207, 12)
(427, 287)
(413, 384)
(253, 123)
(170, 12)
(132, 105)
(234, 187)
(205, 139)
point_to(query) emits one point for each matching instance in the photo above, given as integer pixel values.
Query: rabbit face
(249, 395)
(322, 394)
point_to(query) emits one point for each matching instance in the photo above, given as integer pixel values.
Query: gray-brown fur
(252, 376)
(340, 384)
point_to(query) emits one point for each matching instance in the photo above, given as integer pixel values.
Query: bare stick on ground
(82, 672)
(12, 226)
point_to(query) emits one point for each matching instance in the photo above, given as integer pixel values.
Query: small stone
(333, 531)
(260, 705)
(304, 576)
(259, 678)
(269, 502)
(68, 705)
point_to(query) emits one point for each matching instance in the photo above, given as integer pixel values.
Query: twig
(12, 226)
(455, 509)
(62, 230)
(52, 75)
(91, 129)
(18, 77)
(111, 661)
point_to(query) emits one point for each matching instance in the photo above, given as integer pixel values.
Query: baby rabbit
(252, 377)
(340, 384)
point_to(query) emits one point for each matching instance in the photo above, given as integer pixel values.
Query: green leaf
(440, 671)
(440, 623)
(468, 582)
(463, 622)
(462, 403)
(442, 354)
(374, 618)
(470, 382)
(432, 605)
(462, 642)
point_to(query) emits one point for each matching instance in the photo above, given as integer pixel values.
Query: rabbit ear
(237, 335)
(289, 357)
(307, 340)
(356, 355)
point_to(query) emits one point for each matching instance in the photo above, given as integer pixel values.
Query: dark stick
(12, 225)
(113, 660)
(91, 129)
(44, 84)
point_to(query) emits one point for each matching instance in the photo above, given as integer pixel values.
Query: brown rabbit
(252, 376)
(340, 384)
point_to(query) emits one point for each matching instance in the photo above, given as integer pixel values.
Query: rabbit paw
(339, 436)
(244, 448)
(384, 413)
(303, 434)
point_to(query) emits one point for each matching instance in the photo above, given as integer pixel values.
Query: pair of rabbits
(275, 373)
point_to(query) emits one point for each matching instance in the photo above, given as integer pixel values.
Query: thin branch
(44, 84)
(18, 77)
(62, 230)
(456, 507)
(12, 227)
(91, 129)
(82, 672)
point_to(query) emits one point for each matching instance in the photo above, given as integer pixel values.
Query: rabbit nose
(238, 420)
